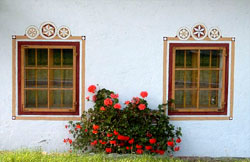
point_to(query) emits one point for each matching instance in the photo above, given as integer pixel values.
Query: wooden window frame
(173, 43)
(20, 113)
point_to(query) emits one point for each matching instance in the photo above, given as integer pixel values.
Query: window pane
(217, 58)
(42, 98)
(179, 58)
(55, 78)
(216, 78)
(42, 78)
(204, 58)
(55, 57)
(30, 98)
(204, 78)
(42, 57)
(30, 56)
(179, 99)
(55, 99)
(191, 58)
(214, 100)
(30, 78)
(190, 99)
(68, 57)
(179, 79)
(67, 78)
(204, 99)
(191, 78)
(67, 99)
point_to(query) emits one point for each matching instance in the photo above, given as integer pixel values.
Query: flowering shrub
(133, 129)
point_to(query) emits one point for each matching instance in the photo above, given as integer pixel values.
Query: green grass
(38, 156)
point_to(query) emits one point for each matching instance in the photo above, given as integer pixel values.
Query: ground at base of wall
(38, 156)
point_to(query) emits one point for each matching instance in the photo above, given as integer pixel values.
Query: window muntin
(48, 79)
(198, 79)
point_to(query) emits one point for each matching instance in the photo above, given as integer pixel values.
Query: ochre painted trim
(48, 118)
(232, 79)
(83, 75)
(55, 38)
(165, 73)
(13, 76)
(199, 118)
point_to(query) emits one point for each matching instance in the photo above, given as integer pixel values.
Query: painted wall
(124, 51)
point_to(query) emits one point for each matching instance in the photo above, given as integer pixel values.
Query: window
(199, 79)
(48, 78)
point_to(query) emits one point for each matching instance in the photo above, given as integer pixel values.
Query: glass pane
(30, 78)
(30, 57)
(30, 98)
(67, 98)
(42, 57)
(191, 58)
(55, 99)
(179, 79)
(204, 99)
(191, 78)
(56, 57)
(204, 78)
(179, 58)
(190, 99)
(42, 78)
(179, 98)
(67, 78)
(204, 58)
(217, 58)
(214, 102)
(68, 57)
(42, 98)
(216, 78)
(55, 78)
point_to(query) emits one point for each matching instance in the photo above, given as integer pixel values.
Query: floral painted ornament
(199, 31)
(32, 32)
(63, 32)
(214, 33)
(183, 33)
(48, 30)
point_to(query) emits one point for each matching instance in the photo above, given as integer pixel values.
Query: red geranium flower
(152, 140)
(123, 138)
(87, 98)
(95, 127)
(95, 131)
(78, 126)
(102, 108)
(142, 106)
(108, 102)
(92, 88)
(66, 126)
(112, 95)
(94, 98)
(86, 130)
(135, 100)
(64, 140)
(127, 148)
(144, 94)
(94, 143)
(112, 142)
(121, 144)
(178, 140)
(148, 147)
(109, 135)
(131, 141)
(139, 151)
(127, 102)
(177, 148)
(116, 133)
(70, 141)
(170, 143)
(117, 106)
(108, 150)
(161, 152)
(104, 143)
(138, 146)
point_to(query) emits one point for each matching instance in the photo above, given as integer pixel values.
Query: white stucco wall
(124, 51)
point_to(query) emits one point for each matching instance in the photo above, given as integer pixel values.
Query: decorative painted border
(15, 39)
(231, 95)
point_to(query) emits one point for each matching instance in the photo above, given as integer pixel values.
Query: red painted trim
(22, 43)
(171, 46)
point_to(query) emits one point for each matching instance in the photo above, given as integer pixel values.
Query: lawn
(38, 156)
